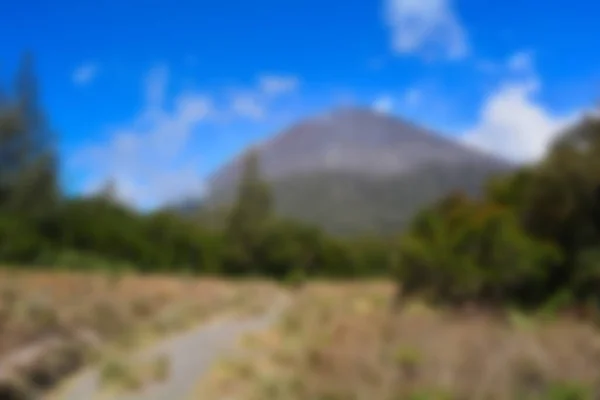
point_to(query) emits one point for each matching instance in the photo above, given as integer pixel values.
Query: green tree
(28, 184)
(562, 206)
(249, 219)
(563, 202)
(10, 129)
(28, 170)
(464, 250)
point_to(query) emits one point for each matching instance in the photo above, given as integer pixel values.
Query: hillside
(354, 170)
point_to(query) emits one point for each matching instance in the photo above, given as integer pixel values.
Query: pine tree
(254, 202)
(109, 192)
(10, 130)
(248, 218)
(28, 170)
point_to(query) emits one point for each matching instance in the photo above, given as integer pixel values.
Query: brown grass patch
(119, 375)
(84, 313)
(346, 342)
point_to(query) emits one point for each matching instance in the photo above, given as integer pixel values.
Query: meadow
(335, 340)
(349, 341)
(54, 323)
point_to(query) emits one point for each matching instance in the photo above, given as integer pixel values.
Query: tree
(249, 218)
(10, 152)
(109, 192)
(254, 202)
(464, 250)
(562, 206)
(28, 170)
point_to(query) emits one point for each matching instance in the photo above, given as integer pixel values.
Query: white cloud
(85, 73)
(513, 125)
(521, 61)
(149, 159)
(276, 85)
(426, 27)
(255, 103)
(248, 106)
(405, 102)
(383, 104)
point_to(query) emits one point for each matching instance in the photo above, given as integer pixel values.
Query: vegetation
(340, 341)
(39, 226)
(531, 240)
(119, 375)
(52, 323)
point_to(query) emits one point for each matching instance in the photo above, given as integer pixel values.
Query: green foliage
(247, 221)
(296, 278)
(510, 190)
(462, 250)
(533, 240)
(28, 170)
(20, 240)
(155, 242)
(561, 391)
(569, 391)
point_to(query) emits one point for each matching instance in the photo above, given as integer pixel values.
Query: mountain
(355, 170)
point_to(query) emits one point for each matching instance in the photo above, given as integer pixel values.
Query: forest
(531, 240)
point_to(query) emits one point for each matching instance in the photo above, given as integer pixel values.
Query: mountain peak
(356, 140)
(356, 170)
(351, 112)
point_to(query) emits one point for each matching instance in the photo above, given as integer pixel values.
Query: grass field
(53, 323)
(336, 341)
(345, 342)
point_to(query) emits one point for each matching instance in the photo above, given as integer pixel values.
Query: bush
(462, 250)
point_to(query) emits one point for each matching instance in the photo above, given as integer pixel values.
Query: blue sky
(156, 94)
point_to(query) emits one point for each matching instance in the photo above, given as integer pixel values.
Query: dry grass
(344, 341)
(118, 375)
(90, 313)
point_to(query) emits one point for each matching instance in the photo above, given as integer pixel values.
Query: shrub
(462, 250)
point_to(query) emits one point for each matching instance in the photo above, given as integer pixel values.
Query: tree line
(530, 240)
(533, 238)
(41, 226)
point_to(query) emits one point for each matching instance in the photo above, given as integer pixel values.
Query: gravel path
(191, 354)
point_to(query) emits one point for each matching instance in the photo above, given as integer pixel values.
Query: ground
(160, 337)
(348, 341)
(51, 324)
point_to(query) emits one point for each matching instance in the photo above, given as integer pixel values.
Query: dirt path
(190, 354)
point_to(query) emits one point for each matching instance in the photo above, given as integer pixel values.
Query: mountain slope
(354, 170)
